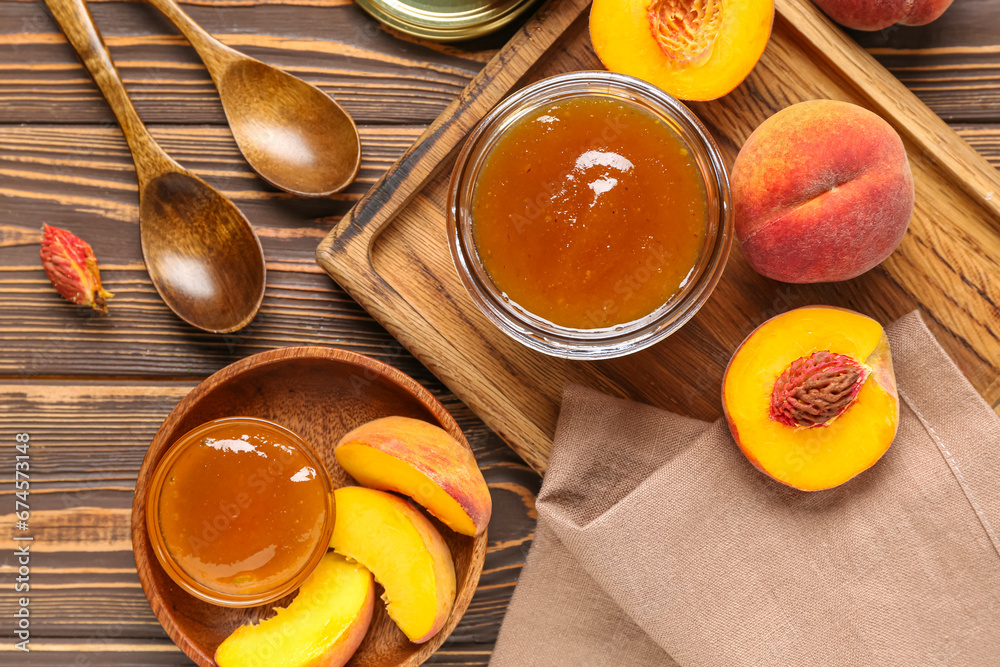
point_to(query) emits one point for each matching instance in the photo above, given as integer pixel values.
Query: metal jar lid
(446, 20)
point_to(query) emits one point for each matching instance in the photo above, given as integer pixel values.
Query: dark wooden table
(91, 391)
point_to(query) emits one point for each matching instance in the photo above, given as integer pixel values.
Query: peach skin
(322, 627)
(424, 462)
(822, 191)
(404, 551)
(810, 396)
(880, 14)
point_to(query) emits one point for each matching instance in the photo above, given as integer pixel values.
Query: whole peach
(880, 14)
(822, 191)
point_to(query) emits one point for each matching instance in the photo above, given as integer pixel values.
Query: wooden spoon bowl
(203, 257)
(295, 136)
(320, 393)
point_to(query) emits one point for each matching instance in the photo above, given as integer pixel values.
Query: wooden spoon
(201, 253)
(293, 134)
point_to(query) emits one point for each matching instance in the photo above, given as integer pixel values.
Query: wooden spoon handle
(78, 25)
(213, 53)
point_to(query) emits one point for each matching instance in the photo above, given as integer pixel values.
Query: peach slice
(423, 461)
(323, 625)
(404, 551)
(810, 396)
(692, 49)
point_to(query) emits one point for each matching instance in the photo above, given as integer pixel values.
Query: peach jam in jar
(589, 215)
(240, 511)
(589, 212)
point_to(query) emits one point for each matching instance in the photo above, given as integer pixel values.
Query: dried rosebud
(71, 266)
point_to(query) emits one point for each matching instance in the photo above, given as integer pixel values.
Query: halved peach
(811, 398)
(424, 462)
(404, 551)
(323, 625)
(692, 49)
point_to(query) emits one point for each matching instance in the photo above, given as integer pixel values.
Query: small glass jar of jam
(589, 215)
(240, 511)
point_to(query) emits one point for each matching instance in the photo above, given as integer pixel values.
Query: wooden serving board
(391, 253)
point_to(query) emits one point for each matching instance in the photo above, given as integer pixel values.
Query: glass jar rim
(443, 23)
(605, 342)
(177, 573)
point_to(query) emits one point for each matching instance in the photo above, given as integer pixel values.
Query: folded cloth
(659, 544)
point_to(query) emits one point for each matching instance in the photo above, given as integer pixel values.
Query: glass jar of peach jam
(240, 511)
(589, 215)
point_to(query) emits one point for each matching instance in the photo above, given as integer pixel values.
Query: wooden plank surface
(92, 391)
(88, 441)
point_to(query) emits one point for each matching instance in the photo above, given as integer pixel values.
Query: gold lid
(446, 20)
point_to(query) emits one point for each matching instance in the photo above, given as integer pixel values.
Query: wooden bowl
(320, 393)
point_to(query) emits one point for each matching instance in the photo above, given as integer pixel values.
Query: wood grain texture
(93, 391)
(948, 265)
(88, 442)
(81, 178)
(951, 64)
(340, 49)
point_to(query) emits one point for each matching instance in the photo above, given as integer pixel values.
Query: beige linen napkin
(659, 544)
